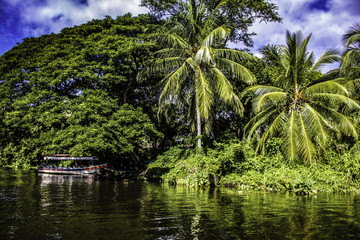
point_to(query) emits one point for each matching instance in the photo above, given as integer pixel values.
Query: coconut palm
(351, 56)
(197, 66)
(304, 114)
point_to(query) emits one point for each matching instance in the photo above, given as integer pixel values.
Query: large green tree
(304, 113)
(66, 93)
(196, 64)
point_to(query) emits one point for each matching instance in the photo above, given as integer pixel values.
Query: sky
(327, 20)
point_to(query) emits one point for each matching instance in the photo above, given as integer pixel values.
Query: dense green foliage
(96, 89)
(299, 107)
(68, 93)
(235, 164)
(196, 66)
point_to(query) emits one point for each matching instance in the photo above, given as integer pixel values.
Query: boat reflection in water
(50, 179)
(62, 191)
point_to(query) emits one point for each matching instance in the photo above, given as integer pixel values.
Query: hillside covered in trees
(168, 90)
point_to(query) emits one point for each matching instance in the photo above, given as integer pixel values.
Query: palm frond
(172, 82)
(258, 90)
(275, 128)
(317, 124)
(329, 56)
(165, 64)
(234, 55)
(309, 62)
(337, 99)
(258, 120)
(272, 54)
(205, 94)
(330, 86)
(225, 90)
(351, 57)
(217, 35)
(353, 86)
(304, 144)
(159, 67)
(217, 8)
(352, 36)
(342, 123)
(205, 55)
(304, 58)
(350, 65)
(170, 52)
(237, 70)
(290, 136)
(171, 40)
(268, 99)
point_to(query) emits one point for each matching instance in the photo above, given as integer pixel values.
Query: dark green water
(36, 206)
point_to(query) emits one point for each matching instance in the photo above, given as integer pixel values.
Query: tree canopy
(303, 112)
(238, 15)
(67, 93)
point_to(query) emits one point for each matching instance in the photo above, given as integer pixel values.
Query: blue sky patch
(320, 5)
(57, 18)
(81, 2)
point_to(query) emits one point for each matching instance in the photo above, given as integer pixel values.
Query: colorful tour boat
(80, 165)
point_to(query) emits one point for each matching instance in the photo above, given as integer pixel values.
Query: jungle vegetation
(165, 87)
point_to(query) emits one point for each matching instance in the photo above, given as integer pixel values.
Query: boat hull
(72, 171)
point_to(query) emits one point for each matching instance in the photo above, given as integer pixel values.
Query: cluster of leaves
(70, 93)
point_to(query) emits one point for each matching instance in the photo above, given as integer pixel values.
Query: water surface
(34, 206)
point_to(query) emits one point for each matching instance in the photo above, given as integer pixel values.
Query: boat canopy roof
(59, 157)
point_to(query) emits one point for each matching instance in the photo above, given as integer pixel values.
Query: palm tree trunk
(198, 116)
(198, 124)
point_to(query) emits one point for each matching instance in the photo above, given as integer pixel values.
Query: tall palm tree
(197, 66)
(304, 114)
(351, 57)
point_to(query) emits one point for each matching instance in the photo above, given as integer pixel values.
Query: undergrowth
(235, 164)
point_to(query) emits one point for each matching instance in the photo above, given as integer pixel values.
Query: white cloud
(327, 27)
(57, 14)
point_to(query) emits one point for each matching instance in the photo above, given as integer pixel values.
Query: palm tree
(351, 57)
(197, 66)
(303, 113)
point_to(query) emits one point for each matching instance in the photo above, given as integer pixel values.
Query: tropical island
(164, 95)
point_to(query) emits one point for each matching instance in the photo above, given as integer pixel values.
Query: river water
(34, 206)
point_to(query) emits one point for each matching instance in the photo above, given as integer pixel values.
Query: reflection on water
(45, 206)
(46, 179)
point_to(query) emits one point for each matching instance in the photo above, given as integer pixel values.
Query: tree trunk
(198, 116)
(198, 123)
(125, 96)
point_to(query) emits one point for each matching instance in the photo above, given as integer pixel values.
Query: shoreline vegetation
(237, 166)
(164, 93)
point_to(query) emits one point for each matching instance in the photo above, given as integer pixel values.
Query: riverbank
(236, 165)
